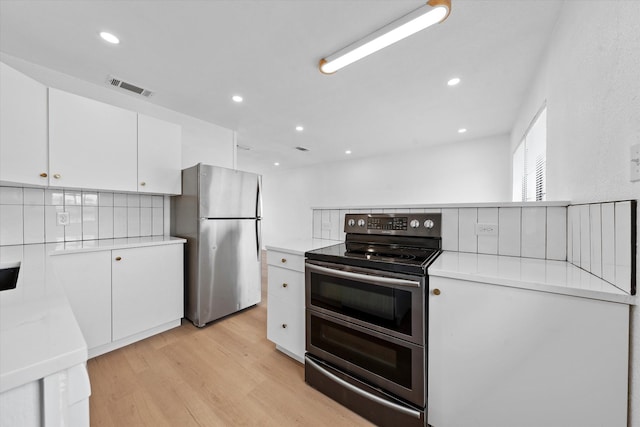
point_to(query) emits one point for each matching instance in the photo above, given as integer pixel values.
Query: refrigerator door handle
(259, 199)
(259, 240)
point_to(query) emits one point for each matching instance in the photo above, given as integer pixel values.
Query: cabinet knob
(436, 291)
(44, 175)
(283, 260)
(143, 183)
(57, 176)
(284, 326)
(284, 285)
(118, 258)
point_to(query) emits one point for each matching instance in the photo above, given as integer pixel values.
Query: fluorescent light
(462, 130)
(109, 37)
(433, 12)
(347, 152)
(299, 128)
(454, 81)
(236, 98)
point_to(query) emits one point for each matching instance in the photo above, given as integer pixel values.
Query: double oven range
(366, 316)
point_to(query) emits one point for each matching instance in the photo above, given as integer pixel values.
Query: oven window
(383, 306)
(386, 359)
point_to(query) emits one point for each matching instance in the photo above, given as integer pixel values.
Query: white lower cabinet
(123, 295)
(504, 357)
(285, 311)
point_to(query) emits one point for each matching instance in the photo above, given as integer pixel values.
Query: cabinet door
(285, 312)
(503, 357)
(86, 278)
(23, 129)
(91, 144)
(159, 156)
(147, 288)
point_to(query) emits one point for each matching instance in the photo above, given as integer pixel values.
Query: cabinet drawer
(286, 260)
(285, 326)
(287, 285)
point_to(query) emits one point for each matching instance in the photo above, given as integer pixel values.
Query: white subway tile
(34, 223)
(557, 233)
(585, 237)
(570, 233)
(623, 245)
(467, 239)
(450, 229)
(53, 197)
(157, 227)
(11, 224)
(534, 232)
(73, 231)
(133, 200)
(105, 221)
(119, 199)
(89, 198)
(52, 231)
(90, 218)
(488, 244)
(34, 196)
(72, 198)
(157, 202)
(416, 210)
(608, 242)
(133, 222)
(335, 224)
(146, 220)
(317, 224)
(166, 202)
(432, 210)
(11, 196)
(341, 234)
(145, 201)
(575, 233)
(105, 199)
(326, 224)
(390, 210)
(509, 226)
(595, 233)
(119, 222)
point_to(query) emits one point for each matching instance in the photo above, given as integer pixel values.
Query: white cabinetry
(23, 129)
(501, 356)
(121, 296)
(159, 156)
(147, 288)
(285, 311)
(91, 144)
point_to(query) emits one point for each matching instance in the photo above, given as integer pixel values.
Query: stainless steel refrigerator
(219, 215)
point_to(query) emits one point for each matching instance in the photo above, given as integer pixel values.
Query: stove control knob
(351, 222)
(428, 223)
(414, 223)
(361, 222)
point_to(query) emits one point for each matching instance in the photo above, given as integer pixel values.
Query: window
(530, 162)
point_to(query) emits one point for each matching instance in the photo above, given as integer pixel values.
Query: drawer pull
(283, 260)
(118, 258)
(436, 291)
(284, 326)
(284, 285)
(44, 175)
(143, 183)
(57, 176)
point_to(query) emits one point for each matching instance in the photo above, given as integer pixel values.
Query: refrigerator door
(228, 193)
(228, 276)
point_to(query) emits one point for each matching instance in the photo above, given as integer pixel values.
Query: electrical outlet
(62, 218)
(634, 162)
(486, 229)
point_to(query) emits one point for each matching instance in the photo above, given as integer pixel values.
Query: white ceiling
(196, 54)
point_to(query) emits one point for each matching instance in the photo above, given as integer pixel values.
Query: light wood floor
(226, 374)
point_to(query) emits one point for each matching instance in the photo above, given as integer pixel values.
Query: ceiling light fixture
(299, 128)
(108, 37)
(276, 164)
(454, 81)
(462, 130)
(434, 12)
(236, 98)
(347, 152)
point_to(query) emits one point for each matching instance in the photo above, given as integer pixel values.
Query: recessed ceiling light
(276, 164)
(108, 37)
(236, 98)
(454, 81)
(462, 130)
(347, 152)
(299, 128)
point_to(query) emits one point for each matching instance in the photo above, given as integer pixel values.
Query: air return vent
(302, 149)
(128, 86)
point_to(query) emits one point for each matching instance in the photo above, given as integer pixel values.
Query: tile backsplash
(29, 215)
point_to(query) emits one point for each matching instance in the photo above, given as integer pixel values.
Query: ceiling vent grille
(128, 86)
(302, 149)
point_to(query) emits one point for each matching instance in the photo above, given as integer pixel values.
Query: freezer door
(229, 269)
(228, 193)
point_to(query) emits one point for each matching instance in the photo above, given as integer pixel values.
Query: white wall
(590, 80)
(201, 141)
(470, 171)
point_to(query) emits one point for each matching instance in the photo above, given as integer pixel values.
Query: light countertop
(39, 334)
(298, 246)
(557, 277)
(110, 244)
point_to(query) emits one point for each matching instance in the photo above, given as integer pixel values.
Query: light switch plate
(634, 163)
(62, 218)
(486, 229)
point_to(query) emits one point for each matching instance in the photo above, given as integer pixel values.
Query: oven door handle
(362, 393)
(384, 281)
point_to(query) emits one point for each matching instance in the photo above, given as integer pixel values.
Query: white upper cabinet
(91, 144)
(23, 129)
(159, 156)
